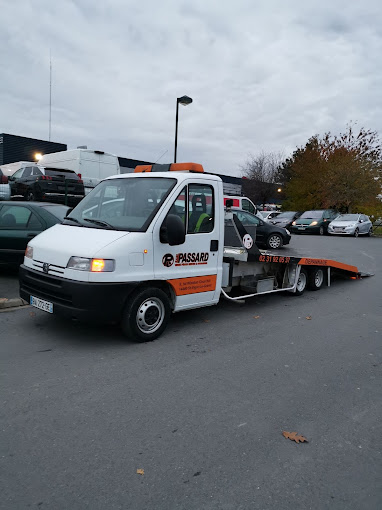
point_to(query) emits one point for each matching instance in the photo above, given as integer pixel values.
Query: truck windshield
(122, 204)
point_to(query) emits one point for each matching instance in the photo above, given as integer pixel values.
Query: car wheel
(316, 278)
(356, 232)
(322, 231)
(370, 231)
(31, 196)
(301, 282)
(274, 241)
(146, 315)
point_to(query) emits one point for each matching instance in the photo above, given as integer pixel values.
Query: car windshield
(347, 217)
(287, 214)
(311, 214)
(122, 204)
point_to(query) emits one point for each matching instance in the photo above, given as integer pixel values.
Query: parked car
(269, 215)
(351, 225)
(20, 222)
(286, 218)
(50, 184)
(314, 222)
(267, 235)
(5, 189)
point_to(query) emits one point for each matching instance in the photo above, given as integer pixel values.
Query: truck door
(191, 268)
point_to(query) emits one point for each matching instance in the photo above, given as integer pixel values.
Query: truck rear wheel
(316, 278)
(301, 282)
(146, 315)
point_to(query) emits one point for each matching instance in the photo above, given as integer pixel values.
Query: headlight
(313, 223)
(79, 263)
(351, 226)
(93, 265)
(293, 223)
(29, 252)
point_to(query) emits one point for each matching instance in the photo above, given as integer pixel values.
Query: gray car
(351, 225)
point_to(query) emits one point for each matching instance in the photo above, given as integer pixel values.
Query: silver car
(5, 189)
(351, 225)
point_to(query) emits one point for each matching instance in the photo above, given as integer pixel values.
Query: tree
(262, 176)
(335, 171)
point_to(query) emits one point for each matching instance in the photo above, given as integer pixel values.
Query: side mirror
(173, 231)
(11, 178)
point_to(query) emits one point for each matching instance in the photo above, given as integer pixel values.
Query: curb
(11, 303)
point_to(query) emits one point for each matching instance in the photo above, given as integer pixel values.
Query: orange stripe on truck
(328, 263)
(193, 285)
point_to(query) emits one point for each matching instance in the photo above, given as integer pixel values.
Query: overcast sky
(263, 75)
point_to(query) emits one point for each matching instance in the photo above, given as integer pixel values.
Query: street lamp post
(184, 100)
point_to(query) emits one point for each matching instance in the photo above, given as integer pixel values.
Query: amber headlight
(93, 265)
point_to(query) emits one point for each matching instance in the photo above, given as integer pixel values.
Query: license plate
(301, 228)
(41, 304)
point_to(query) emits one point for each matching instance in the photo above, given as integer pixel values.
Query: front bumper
(306, 230)
(85, 301)
(349, 232)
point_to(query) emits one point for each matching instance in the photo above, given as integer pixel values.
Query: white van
(91, 166)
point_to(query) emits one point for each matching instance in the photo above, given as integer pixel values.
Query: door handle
(214, 246)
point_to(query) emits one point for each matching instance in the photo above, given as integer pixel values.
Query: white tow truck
(143, 245)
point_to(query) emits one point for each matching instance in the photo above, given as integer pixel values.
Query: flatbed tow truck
(141, 246)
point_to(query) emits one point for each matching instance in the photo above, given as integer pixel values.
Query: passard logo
(185, 259)
(191, 259)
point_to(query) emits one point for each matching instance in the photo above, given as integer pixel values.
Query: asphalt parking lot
(201, 410)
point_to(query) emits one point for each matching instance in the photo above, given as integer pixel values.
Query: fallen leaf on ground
(293, 436)
(206, 320)
(140, 471)
(256, 316)
(308, 317)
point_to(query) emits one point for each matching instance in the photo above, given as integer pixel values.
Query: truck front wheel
(146, 315)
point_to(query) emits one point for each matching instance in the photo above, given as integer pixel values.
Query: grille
(53, 269)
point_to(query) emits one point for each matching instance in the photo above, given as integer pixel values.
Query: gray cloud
(262, 75)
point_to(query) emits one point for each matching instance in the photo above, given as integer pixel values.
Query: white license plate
(41, 304)
(301, 228)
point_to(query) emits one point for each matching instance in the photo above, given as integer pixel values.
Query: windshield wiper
(101, 223)
(73, 219)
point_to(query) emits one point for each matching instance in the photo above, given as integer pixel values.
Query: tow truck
(143, 245)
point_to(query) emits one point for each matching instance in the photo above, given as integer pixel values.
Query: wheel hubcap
(274, 242)
(356, 232)
(301, 282)
(319, 278)
(150, 315)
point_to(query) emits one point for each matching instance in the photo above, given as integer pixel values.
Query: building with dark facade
(20, 148)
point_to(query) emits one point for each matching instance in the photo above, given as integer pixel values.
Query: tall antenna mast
(50, 93)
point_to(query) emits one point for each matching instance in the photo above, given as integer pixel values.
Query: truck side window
(179, 206)
(201, 207)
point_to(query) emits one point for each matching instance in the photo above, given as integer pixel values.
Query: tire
(322, 231)
(316, 278)
(301, 282)
(356, 232)
(146, 315)
(370, 231)
(31, 196)
(274, 241)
